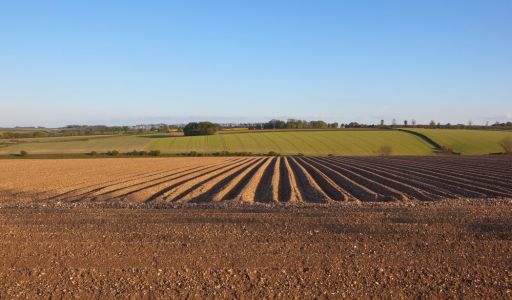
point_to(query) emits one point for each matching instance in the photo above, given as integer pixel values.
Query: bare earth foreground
(312, 227)
(460, 249)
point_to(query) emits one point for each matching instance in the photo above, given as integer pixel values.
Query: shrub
(113, 153)
(385, 150)
(192, 153)
(137, 153)
(506, 144)
(93, 153)
(154, 153)
(23, 153)
(272, 153)
(221, 153)
(200, 128)
(447, 150)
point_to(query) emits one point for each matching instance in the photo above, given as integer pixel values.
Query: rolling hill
(338, 142)
(467, 141)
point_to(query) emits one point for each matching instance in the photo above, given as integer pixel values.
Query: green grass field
(350, 142)
(466, 141)
(58, 138)
(76, 144)
(308, 143)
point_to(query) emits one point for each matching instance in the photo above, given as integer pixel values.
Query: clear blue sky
(127, 62)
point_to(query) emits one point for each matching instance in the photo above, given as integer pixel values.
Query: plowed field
(295, 180)
(363, 228)
(440, 250)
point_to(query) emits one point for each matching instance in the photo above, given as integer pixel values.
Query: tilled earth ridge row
(293, 180)
(460, 179)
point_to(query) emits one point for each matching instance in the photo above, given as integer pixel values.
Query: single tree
(506, 144)
(385, 150)
(200, 128)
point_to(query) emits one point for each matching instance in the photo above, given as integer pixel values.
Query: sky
(132, 62)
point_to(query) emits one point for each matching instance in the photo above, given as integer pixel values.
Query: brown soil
(255, 227)
(446, 249)
(328, 180)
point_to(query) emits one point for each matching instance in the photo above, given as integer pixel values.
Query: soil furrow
(266, 191)
(248, 193)
(357, 191)
(295, 195)
(185, 186)
(399, 186)
(468, 174)
(293, 180)
(434, 180)
(232, 190)
(385, 192)
(324, 182)
(483, 165)
(285, 187)
(307, 186)
(474, 189)
(401, 177)
(414, 189)
(138, 190)
(121, 186)
(205, 189)
(490, 171)
(154, 195)
(103, 184)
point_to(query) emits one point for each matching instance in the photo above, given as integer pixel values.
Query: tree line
(207, 128)
(293, 124)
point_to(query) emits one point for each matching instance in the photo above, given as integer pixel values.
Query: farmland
(362, 225)
(229, 227)
(271, 180)
(294, 142)
(467, 141)
(341, 142)
(79, 144)
(448, 250)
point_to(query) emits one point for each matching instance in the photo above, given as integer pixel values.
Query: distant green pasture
(349, 142)
(467, 141)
